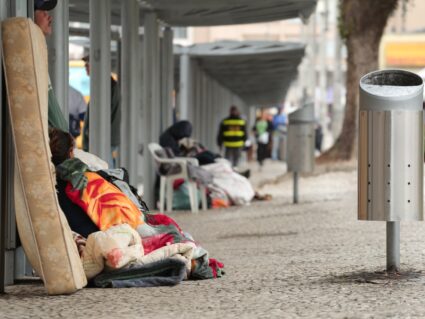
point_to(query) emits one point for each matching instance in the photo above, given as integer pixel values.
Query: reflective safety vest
(232, 133)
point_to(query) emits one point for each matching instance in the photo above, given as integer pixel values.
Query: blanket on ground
(236, 186)
(167, 272)
(107, 206)
(121, 246)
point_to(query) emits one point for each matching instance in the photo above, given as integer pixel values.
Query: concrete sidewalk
(311, 260)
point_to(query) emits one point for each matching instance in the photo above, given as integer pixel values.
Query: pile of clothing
(125, 244)
(224, 185)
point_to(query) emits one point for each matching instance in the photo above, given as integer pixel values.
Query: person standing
(263, 129)
(115, 118)
(77, 109)
(44, 21)
(232, 135)
(279, 134)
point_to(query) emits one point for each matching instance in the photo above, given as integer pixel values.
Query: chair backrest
(162, 160)
(155, 148)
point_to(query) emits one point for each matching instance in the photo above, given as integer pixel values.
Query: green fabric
(55, 115)
(261, 127)
(181, 199)
(72, 170)
(115, 118)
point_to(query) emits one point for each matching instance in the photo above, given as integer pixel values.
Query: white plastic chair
(166, 181)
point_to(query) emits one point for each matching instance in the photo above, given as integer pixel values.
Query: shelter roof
(206, 12)
(260, 72)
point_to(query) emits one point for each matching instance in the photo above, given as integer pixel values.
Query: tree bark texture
(362, 25)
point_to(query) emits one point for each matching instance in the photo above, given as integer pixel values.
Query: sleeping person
(83, 193)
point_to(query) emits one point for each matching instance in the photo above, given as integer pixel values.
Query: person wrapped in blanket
(101, 201)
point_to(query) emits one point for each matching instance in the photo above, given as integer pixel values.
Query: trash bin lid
(304, 114)
(391, 90)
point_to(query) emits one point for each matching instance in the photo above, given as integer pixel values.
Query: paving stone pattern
(311, 260)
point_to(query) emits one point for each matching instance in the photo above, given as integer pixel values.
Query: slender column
(18, 8)
(338, 108)
(323, 67)
(295, 201)
(185, 86)
(167, 79)
(393, 246)
(311, 52)
(58, 44)
(100, 79)
(3, 186)
(151, 102)
(130, 87)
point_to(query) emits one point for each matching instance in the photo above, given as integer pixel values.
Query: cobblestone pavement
(311, 260)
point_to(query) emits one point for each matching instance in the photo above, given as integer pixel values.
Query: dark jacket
(232, 132)
(115, 118)
(77, 218)
(170, 138)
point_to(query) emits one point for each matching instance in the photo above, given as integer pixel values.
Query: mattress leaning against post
(43, 229)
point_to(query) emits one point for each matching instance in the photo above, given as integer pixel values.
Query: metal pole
(338, 108)
(295, 187)
(185, 86)
(58, 55)
(3, 186)
(151, 101)
(167, 78)
(100, 79)
(130, 86)
(393, 246)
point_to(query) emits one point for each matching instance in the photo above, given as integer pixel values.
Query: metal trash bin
(300, 144)
(390, 155)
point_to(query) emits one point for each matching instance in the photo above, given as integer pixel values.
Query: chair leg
(193, 197)
(169, 195)
(204, 197)
(162, 187)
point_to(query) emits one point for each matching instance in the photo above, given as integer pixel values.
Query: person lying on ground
(106, 205)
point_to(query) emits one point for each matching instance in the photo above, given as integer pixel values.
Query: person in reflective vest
(232, 135)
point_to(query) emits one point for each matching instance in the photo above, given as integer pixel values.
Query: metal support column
(151, 101)
(185, 86)
(311, 54)
(323, 108)
(338, 108)
(393, 246)
(130, 86)
(18, 8)
(295, 201)
(167, 79)
(58, 44)
(100, 79)
(3, 186)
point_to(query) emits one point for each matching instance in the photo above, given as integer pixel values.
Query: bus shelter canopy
(259, 72)
(206, 12)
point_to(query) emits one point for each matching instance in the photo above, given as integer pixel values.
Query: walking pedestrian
(232, 135)
(263, 128)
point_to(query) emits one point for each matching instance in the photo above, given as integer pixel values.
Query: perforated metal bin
(390, 163)
(300, 144)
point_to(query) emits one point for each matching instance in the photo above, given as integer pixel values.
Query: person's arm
(245, 133)
(220, 135)
(115, 114)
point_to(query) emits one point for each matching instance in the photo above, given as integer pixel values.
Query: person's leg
(113, 161)
(275, 145)
(237, 155)
(262, 150)
(228, 154)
